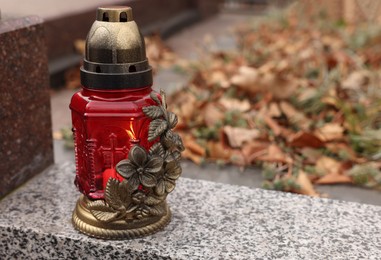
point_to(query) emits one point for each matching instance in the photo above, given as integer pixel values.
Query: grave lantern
(127, 155)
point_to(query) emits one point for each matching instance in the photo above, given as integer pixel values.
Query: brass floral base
(85, 222)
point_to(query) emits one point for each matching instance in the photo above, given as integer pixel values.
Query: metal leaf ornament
(162, 123)
(102, 211)
(153, 111)
(117, 202)
(156, 128)
(157, 149)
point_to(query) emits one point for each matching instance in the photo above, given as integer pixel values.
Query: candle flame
(131, 132)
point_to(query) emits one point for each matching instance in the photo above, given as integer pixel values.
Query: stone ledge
(210, 221)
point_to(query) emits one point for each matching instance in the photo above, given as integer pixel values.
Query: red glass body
(106, 123)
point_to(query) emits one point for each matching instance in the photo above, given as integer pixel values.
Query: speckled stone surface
(210, 221)
(25, 129)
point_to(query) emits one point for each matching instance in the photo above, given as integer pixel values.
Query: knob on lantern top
(115, 56)
(114, 14)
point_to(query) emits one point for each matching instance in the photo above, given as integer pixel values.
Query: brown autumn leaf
(273, 110)
(330, 132)
(218, 77)
(217, 151)
(273, 154)
(281, 87)
(326, 165)
(356, 79)
(342, 148)
(331, 98)
(254, 149)
(277, 130)
(212, 114)
(237, 136)
(187, 154)
(308, 93)
(294, 116)
(191, 144)
(305, 139)
(235, 104)
(72, 78)
(237, 158)
(266, 79)
(334, 178)
(246, 78)
(311, 155)
(195, 148)
(80, 46)
(305, 184)
(57, 135)
(186, 102)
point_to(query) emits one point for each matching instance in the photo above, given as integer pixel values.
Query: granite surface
(210, 221)
(25, 129)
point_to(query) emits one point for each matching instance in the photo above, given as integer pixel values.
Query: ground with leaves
(300, 98)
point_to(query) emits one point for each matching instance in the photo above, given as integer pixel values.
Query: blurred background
(277, 94)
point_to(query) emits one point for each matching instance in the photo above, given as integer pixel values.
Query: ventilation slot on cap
(105, 17)
(123, 17)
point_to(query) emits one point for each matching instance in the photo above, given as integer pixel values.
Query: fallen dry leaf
(80, 46)
(296, 117)
(326, 165)
(312, 155)
(277, 130)
(246, 78)
(187, 103)
(334, 178)
(212, 115)
(195, 148)
(330, 132)
(217, 151)
(218, 77)
(338, 148)
(253, 149)
(57, 135)
(273, 154)
(356, 79)
(273, 110)
(236, 136)
(305, 184)
(235, 104)
(305, 139)
(187, 154)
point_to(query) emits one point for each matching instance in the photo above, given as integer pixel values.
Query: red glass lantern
(127, 157)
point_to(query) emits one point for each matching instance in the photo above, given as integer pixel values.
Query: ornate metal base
(85, 222)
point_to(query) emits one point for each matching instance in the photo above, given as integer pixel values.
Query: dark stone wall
(25, 128)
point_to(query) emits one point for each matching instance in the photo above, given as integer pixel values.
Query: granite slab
(25, 131)
(210, 221)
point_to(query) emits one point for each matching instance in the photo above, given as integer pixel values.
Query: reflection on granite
(25, 131)
(210, 221)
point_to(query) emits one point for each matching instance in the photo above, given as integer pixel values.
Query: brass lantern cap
(115, 55)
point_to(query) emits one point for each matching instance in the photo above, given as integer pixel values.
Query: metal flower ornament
(140, 168)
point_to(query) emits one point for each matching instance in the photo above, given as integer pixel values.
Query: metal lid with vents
(115, 56)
